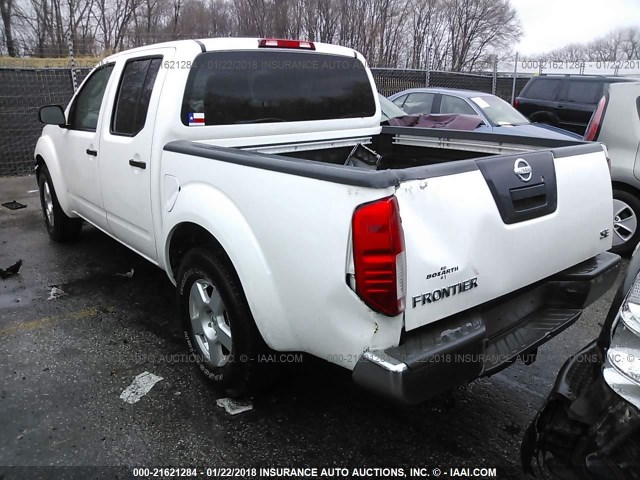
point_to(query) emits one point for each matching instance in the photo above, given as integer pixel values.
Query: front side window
(85, 110)
(275, 86)
(134, 93)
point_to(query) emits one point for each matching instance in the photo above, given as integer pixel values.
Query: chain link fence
(391, 80)
(23, 91)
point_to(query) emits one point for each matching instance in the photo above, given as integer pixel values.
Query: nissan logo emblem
(522, 169)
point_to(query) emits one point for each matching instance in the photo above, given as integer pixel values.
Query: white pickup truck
(256, 173)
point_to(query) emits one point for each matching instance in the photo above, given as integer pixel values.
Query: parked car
(565, 101)
(289, 219)
(395, 116)
(616, 123)
(589, 427)
(498, 115)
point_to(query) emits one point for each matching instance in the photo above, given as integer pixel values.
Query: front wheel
(626, 211)
(61, 227)
(218, 324)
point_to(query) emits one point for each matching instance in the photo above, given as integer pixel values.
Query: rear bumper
(483, 340)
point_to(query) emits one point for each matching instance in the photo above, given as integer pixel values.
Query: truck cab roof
(229, 43)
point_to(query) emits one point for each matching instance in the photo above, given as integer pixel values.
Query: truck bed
(407, 147)
(401, 148)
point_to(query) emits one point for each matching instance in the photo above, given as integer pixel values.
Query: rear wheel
(626, 211)
(61, 227)
(218, 324)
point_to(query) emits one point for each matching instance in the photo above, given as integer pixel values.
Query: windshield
(390, 109)
(499, 112)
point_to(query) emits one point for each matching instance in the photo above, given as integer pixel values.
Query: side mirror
(52, 115)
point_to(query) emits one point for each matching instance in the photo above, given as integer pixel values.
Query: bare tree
(630, 47)
(457, 34)
(79, 28)
(477, 28)
(321, 19)
(425, 31)
(113, 17)
(622, 44)
(6, 12)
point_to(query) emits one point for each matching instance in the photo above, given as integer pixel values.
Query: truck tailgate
(500, 225)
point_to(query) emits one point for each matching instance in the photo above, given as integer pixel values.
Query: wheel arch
(45, 155)
(237, 245)
(186, 236)
(37, 166)
(633, 190)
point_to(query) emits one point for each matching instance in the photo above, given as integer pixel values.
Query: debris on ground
(13, 205)
(56, 293)
(12, 270)
(234, 406)
(129, 274)
(140, 387)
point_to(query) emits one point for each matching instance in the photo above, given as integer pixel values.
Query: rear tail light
(280, 43)
(379, 256)
(593, 129)
(516, 103)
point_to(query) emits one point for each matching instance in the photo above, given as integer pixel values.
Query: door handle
(137, 164)
(93, 153)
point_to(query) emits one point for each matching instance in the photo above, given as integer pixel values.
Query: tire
(61, 228)
(223, 326)
(626, 215)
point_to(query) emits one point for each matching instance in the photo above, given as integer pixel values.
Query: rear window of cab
(261, 86)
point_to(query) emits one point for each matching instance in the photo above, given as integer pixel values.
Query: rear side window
(542, 89)
(450, 104)
(418, 103)
(134, 93)
(275, 86)
(584, 92)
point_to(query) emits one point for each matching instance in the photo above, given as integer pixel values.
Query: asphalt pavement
(75, 331)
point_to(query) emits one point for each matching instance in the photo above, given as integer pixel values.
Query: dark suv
(565, 101)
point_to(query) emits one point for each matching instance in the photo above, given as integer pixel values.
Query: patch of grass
(33, 62)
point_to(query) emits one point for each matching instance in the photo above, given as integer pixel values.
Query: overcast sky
(550, 24)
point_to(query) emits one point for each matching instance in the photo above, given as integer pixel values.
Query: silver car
(498, 116)
(616, 123)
